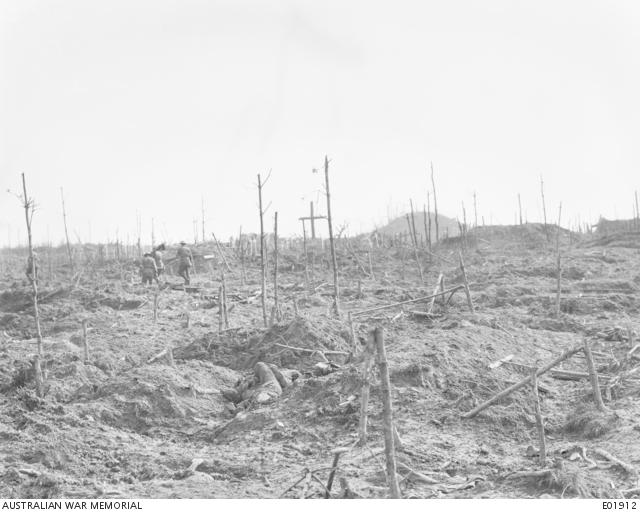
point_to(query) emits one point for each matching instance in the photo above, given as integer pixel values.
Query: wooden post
(542, 458)
(334, 262)
(313, 221)
(517, 386)
(263, 270)
(466, 284)
(66, 232)
(32, 264)
(593, 375)
(275, 265)
(85, 342)
(558, 264)
(387, 414)
(435, 204)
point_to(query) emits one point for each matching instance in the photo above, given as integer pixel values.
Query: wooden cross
(311, 218)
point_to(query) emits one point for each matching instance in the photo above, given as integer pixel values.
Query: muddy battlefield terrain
(171, 400)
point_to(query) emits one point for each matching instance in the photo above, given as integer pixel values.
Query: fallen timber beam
(507, 391)
(409, 301)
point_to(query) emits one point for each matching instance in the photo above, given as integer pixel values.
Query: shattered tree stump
(387, 414)
(593, 375)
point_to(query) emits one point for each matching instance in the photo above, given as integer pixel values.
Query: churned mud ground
(122, 426)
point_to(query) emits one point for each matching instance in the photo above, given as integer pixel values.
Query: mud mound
(330, 339)
(158, 395)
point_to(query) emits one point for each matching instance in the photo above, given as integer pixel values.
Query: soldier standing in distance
(149, 270)
(157, 256)
(185, 261)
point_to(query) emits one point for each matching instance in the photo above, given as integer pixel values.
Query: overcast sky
(151, 105)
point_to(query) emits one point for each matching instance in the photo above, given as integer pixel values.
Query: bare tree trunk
(263, 298)
(435, 204)
(364, 391)
(220, 309)
(219, 248)
(225, 308)
(307, 283)
(415, 249)
(637, 212)
(413, 224)
(66, 232)
(558, 264)
(467, 291)
(387, 414)
(429, 238)
(202, 209)
(475, 210)
(32, 265)
(275, 265)
(139, 227)
(334, 262)
(153, 235)
(520, 209)
(544, 208)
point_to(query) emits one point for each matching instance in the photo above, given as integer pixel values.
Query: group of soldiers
(152, 266)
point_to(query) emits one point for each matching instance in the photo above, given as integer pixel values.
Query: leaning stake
(542, 458)
(520, 384)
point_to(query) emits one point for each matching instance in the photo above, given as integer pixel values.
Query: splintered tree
(66, 232)
(275, 266)
(435, 204)
(263, 299)
(334, 263)
(202, 208)
(32, 264)
(544, 208)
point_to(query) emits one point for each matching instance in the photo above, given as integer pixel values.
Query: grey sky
(146, 106)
